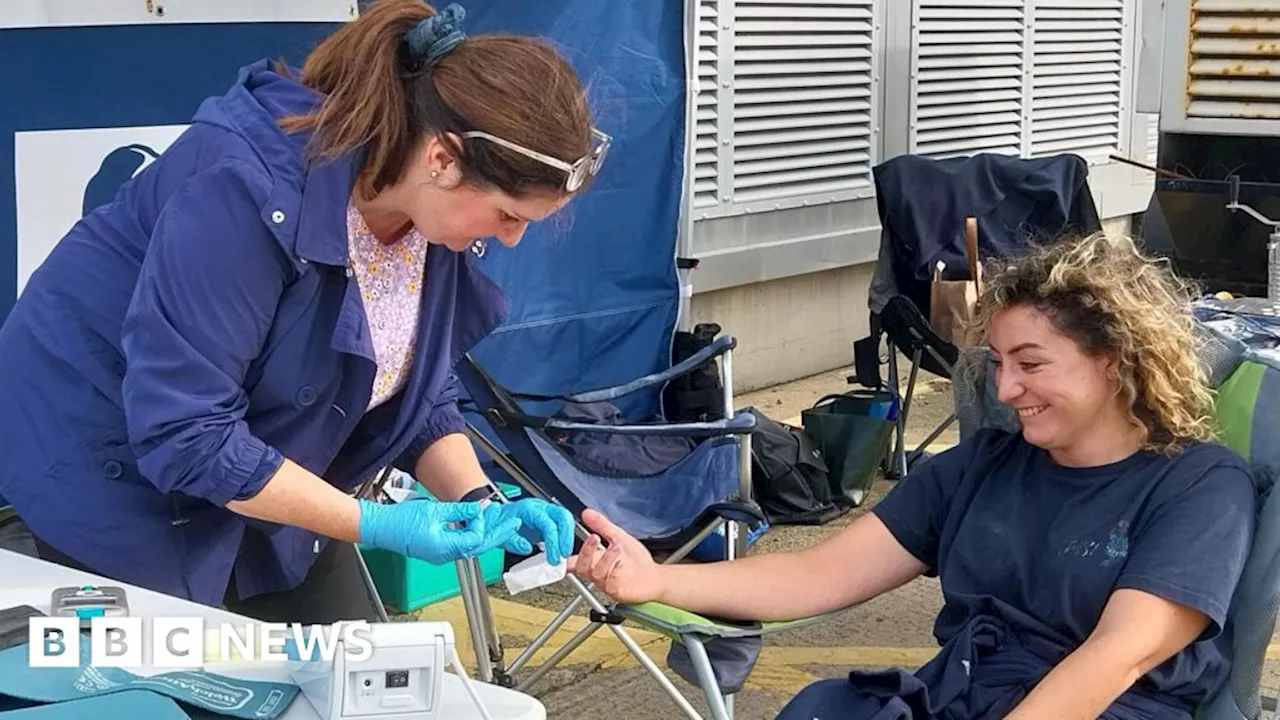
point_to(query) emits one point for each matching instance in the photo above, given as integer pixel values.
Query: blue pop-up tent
(89, 94)
(595, 293)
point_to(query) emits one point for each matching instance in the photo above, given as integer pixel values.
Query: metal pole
(496, 653)
(1273, 265)
(942, 427)
(707, 677)
(899, 450)
(475, 621)
(542, 638)
(679, 553)
(735, 537)
(374, 596)
(556, 657)
(684, 237)
(636, 651)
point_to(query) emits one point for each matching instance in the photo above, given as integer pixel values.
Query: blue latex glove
(551, 521)
(438, 532)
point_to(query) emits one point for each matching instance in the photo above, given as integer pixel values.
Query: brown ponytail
(377, 98)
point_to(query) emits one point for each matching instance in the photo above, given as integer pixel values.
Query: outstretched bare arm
(854, 565)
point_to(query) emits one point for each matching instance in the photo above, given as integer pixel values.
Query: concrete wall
(801, 325)
(792, 327)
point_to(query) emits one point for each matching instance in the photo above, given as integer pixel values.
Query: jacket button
(306, 395)
(112, 469)
(277, 217)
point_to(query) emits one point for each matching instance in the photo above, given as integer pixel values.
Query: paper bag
(952, 303)
(951, 306)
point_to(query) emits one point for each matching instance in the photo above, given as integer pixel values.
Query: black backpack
(789, 476)
(699, 395)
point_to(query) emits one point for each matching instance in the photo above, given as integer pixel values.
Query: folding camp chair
(672, 512)
(923, 204)
(909, 333)
(1241, 354)
(1247, 386)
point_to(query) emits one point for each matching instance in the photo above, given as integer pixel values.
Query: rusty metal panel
(1244, 90)
(1231, 67)
(1239, 6)
(1244, 111)
(1234, 69)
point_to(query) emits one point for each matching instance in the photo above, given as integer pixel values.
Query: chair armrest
(675, 622)
(740, 424)
(718, 347)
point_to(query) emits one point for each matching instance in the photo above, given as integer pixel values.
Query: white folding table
(30, 581)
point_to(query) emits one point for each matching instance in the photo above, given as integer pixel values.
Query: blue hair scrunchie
(433, 37)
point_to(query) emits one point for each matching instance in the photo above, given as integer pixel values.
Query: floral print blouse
(390, 278)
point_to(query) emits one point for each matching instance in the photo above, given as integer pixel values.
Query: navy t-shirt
(1007, 530)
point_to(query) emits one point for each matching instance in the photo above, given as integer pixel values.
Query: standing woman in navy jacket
(204, 370)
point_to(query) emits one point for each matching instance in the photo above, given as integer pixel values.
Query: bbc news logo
(187, 642)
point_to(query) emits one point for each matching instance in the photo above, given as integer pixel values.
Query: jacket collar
(322, 211)
(307, 201)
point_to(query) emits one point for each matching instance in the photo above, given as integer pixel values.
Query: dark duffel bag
(788, 476)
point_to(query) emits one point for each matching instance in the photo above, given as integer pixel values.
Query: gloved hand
(551, 521)
(438, 532)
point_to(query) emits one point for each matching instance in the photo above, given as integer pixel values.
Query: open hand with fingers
(625, 570)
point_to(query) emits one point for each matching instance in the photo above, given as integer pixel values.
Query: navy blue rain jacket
(185, 337)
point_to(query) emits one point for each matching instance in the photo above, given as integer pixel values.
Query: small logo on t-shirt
(1118, 543)
(1115, 550)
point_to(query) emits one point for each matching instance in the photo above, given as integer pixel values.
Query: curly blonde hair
(1110, 298)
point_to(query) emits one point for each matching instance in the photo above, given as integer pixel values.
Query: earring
(435, 173)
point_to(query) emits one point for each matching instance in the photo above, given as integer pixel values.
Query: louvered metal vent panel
(967, 82)
(1077, 61)
(706, 166)
(802, 98)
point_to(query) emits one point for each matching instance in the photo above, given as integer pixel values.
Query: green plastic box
(407, 584)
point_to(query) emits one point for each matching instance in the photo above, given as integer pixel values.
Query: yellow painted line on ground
(848, 656)
(780, 679)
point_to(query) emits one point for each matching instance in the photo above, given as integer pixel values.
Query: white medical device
(395, 673)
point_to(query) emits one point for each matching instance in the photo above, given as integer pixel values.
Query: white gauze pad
(533, 572)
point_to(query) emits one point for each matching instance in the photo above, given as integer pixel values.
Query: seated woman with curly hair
(1086, 562)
